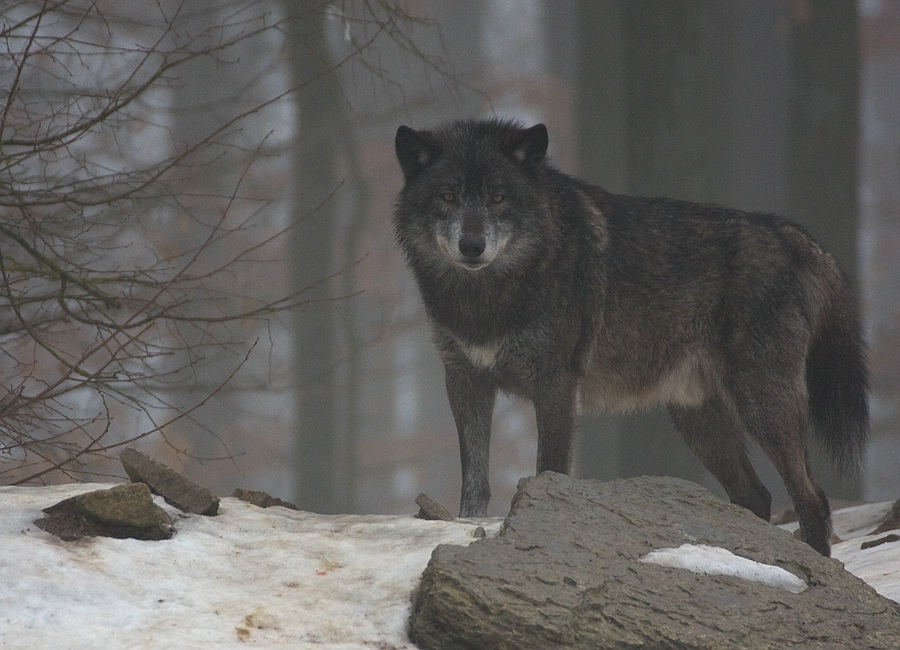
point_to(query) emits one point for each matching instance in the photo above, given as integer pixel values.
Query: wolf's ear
(531, 147)
(415, 151)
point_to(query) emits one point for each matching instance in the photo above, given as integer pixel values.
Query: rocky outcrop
(573, 568)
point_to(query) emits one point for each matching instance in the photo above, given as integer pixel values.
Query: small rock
(881, 540)
(431, 509)
(261, 499)
(891, 521)
(176, 489)
(124, 511)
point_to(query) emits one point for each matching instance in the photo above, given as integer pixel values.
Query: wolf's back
(837, 382)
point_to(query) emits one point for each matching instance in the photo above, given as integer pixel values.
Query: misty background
(337, 403)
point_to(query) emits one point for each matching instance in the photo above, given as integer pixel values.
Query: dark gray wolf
(546, 287)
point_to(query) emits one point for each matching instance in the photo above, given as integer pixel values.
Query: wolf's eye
(498, 197)
(448, 197)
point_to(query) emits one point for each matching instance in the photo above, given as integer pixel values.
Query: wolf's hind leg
(778, 420)
(717, 439)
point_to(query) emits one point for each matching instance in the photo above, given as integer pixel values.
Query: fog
(333, 396)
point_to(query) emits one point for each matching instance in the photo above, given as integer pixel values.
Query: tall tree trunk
(824, 124)
(321, 450)
(602, 159)
(651, 81)
(666, 86)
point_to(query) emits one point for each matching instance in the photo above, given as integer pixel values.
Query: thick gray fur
(552, 289)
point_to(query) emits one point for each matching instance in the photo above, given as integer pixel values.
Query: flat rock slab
(569, 570)
(261, 499)
(176, 489)
(124, 511)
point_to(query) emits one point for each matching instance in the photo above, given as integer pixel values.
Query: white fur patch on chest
(481, 355)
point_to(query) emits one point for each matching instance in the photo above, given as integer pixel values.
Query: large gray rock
(567, 572)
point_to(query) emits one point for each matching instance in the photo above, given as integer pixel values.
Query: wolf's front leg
(555, 403)
(471, 396)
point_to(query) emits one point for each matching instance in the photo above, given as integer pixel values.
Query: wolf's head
(472, 195)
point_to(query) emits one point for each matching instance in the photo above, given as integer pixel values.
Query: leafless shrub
(123, 270)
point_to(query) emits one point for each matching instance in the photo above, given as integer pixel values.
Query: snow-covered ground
(248, 577)
(878, 565)
(255, 577)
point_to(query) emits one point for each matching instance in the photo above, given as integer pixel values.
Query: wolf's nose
(472, 246)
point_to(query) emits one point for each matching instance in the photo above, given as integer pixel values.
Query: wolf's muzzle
(472, 246)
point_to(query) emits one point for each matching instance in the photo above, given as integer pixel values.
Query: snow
(254, 577)
(880, 565)
(712, 560)
(247, 577)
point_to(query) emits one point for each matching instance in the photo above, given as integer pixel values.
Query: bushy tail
(838, 382)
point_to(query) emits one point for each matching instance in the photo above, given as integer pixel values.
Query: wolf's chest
(514, 362)
(483, 356)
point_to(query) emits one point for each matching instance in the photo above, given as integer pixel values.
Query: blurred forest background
(195, 197)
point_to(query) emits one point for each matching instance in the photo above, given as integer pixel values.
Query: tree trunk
(643, 71)
(321, 452)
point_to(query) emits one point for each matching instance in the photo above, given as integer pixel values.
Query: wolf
(549, 288)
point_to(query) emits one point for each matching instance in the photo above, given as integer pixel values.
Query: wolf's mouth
(473, 265)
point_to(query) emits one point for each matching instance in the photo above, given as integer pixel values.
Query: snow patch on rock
(712, 560)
